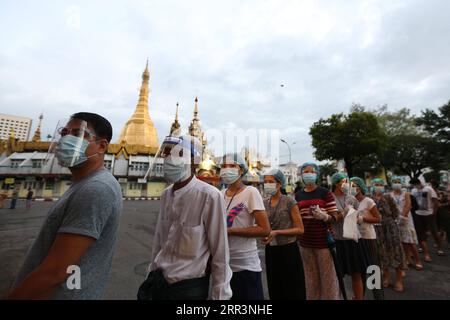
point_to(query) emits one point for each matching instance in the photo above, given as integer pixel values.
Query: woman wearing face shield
(350, 254)
(405, 222)
(284, 267)
(388, 235)
(318, 209)
(246, 221)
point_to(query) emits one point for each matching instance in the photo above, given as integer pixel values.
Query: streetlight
(290, 161)
(289, 147)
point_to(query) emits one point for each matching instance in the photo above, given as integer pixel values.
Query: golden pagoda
(139, 129)
(37, 133)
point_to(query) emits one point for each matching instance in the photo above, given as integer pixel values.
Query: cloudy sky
(60, 57)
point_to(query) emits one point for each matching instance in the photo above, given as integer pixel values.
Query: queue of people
(206, 242)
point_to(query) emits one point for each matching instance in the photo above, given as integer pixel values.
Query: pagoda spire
(37, 133)
(175, 128)
(196, 108)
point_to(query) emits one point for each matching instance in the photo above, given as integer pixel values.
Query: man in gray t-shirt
(72, 255)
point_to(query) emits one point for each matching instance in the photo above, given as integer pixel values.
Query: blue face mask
(309, 178)
(71, 151)
(378, 189)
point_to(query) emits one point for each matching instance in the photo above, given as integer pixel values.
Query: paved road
(19, 227)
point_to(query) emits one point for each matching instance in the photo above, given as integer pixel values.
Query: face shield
(346, 185)
(175, 159)
(69, 142)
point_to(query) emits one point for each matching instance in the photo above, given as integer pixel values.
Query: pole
(289, 148)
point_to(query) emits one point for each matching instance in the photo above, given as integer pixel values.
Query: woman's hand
(266, 240)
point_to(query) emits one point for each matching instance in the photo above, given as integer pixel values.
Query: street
(19, 227)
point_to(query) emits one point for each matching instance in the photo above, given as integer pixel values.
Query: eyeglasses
(168, 151)
(63, 131)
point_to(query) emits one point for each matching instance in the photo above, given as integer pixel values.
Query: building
(20, 127)
(26, 164)
(290, 171)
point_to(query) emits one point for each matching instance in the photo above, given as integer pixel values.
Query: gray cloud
(234, 55)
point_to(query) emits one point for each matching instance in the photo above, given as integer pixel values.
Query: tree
(351, 137)
(397, 123)
(410, 154)
(438, 126)
(327, 169)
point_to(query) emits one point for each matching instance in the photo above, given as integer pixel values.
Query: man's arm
(67, 250)
(156, 247)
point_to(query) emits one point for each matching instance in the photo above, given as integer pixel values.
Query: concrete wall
(155, 189)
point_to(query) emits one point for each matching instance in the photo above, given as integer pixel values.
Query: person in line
(350, 253)
(246, 221)
(80, 230)
(388, 235)
(284, 269)
(405, 221)
(14, 198)
(442, 213)
(3, 197)
(318, 210)
(29, 198)
(427, 199)
(368, 215)
(190, 244)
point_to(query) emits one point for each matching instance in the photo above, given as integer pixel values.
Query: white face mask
(175, 171)
(345, 187)
(229, 175)
(354, 191)
(397, 186)
(270, 188)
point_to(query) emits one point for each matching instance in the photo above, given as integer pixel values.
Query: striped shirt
(315, 235)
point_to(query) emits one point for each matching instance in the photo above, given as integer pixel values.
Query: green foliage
(398, 123)
(351, 137)
(410, 154)
(369, 140)
(437, 124)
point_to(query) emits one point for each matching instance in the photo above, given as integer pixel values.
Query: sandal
(419, 267)
(427, 259)
(440, 253)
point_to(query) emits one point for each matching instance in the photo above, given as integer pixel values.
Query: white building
(290, 171)
(20, 126)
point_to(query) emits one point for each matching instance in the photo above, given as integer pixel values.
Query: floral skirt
(390, 247)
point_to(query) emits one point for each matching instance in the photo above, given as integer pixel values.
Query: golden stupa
(37, 133)
(139, 129)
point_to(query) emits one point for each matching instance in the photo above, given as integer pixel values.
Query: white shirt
(424, 199)
(243, 250)
(366, 230)
(191, 227)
